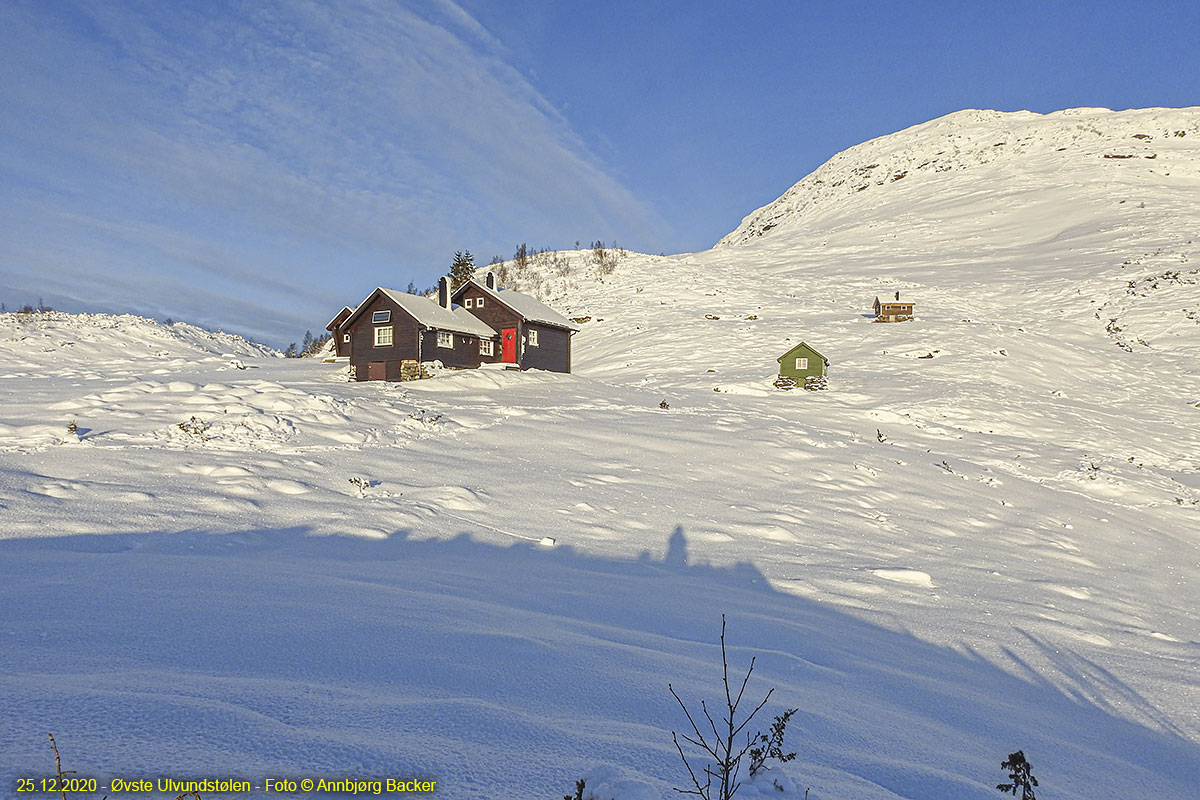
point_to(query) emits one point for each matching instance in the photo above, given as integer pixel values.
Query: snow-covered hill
(33, 343)
(1030, 162)
(982, 537)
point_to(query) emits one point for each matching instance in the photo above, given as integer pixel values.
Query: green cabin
(802, 362)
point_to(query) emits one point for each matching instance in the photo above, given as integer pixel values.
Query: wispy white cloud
(284, 144)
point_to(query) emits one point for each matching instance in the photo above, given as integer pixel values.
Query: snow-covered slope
(1030, 161)
(982, 537)
(33, 343)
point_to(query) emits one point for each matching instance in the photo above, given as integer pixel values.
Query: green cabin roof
(805, 347)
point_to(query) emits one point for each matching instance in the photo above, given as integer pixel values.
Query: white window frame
(487, 347)
(801, 363)
(468, 302)
(478, 302)
(384, 332)
(380, 317)
(531, 338)
(346, 337)
(445, 339)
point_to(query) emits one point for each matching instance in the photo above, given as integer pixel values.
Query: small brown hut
(893, 311)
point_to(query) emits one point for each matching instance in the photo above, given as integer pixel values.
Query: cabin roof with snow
(429, 314)
(529, 308)
(340, 317)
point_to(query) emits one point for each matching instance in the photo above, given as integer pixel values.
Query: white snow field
(983, 537)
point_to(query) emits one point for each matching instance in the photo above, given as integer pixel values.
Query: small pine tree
(461, 269)
(308, 340)
(1020, 773)
(291, 351)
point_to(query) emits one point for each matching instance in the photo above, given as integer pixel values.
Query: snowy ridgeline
(980, 538)
(38, 341)
(1095, 146)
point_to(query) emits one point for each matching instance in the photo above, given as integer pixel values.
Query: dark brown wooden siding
(340, 348)
(493, 314)
(405, 332)
(465, 352)
(553, 351)
(554, 344)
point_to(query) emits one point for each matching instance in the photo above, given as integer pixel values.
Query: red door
(508, 345)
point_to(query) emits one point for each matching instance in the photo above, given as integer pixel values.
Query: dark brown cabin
(341, 339)
(532, 335)
(391, 327)
(893, 311)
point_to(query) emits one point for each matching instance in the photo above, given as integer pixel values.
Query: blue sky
(256, 165)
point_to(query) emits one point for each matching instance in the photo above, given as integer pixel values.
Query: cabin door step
(376, 370)
(508, 345)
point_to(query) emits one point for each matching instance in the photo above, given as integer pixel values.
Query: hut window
(381, 316)
(478, 302)
(470, 302)
(383, 336)
(801, 363)
(445, 339)
(533, 340)
(345, 337)
(486, 347)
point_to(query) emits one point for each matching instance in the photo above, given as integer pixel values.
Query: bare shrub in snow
(721, 745)
(1020, 776)
(59, 773)
(196, 427)
(362, 485)
(580, 785)
(769, 746)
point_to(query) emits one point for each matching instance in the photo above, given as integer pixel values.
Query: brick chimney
(443, 292)
(491, 280)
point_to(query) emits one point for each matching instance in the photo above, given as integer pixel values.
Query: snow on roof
(428, 313)
(330, 324)
(431, 315)
(530, 308)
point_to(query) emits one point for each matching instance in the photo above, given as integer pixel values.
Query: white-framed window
(381, 316)
(478, 302)
(445, 339)
(469, 303)
(486, 347)
(801, 363)
(533, 339)
(383, 336)
(346, 338)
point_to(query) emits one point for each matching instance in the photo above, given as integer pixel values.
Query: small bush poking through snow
(580, 785)
(770, 746)
(722, 745)
(1020, 775)
(196, 427)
